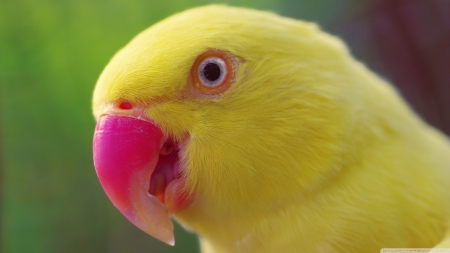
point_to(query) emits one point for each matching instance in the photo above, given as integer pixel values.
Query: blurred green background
(52, 52)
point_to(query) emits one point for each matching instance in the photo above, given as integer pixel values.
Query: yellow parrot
(262, 134)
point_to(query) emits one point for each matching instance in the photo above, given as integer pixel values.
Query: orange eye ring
(213, 72)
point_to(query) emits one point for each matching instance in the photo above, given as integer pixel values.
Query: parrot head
(220, 115)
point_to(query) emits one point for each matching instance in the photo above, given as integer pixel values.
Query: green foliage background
(51, 53)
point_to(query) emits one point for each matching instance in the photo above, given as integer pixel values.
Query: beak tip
(165, 236)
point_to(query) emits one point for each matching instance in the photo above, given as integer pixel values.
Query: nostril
(125, 106)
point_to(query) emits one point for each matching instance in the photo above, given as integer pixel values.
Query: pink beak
(126, 152)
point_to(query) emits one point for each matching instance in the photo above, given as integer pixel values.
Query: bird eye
(213, 72)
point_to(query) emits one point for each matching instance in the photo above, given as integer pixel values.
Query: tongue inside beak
(126, 152)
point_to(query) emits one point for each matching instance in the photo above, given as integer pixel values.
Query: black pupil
(211, 71)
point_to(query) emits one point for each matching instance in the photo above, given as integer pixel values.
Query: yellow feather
(308, 151)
